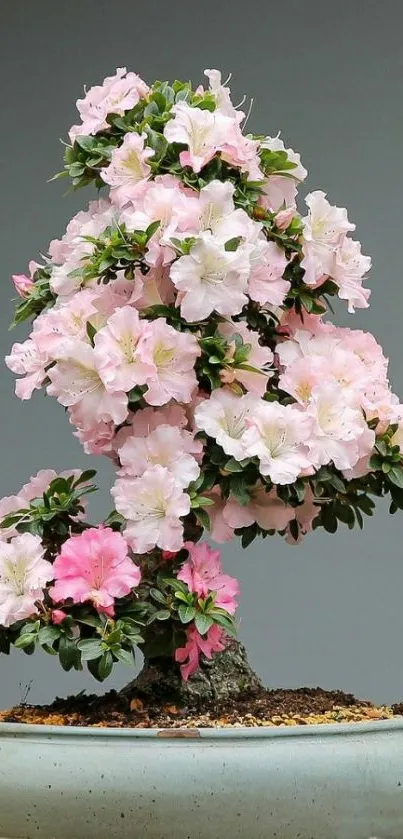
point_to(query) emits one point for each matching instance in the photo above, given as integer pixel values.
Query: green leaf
(90, 648)
(203, 622)
(186, 613)
(395, 476)
(48, 634)
(158, 595)
(203, 518)
(233, 465)
(233, 244)
(24, 641)
(105, 665)
(161, 615)
(125, 656)
(69, 655)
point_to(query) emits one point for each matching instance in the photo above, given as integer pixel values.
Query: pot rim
(46, 732)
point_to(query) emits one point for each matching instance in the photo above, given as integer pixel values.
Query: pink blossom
(153, 506)
(266, 283)
(165, 445)
(241, 151)
(200, 130)
(117, 94)
(220, 530)
(173, 355)
(23, 285)
(348, 269)
(324, 229)
(284, 218)
(94, 566)
(96, 438)
(221, 94)
(75, 381)
(118, 355)
(281, 188)
(259, 358)
(202, 573)
(128, 170)
(211, 279)
(224, 417)
(23, 575)
(174, 207)
(157, 288)
(58, 616)
(27, 360)
(66, 320)
(189, 655)
(337, 428)
(60, 250)
(265, 508)
(278, 435)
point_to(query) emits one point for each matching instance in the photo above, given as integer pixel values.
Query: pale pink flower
(337, 428)
(284, 218)
(302, 376)
(117, 94)
(305, 514)
(173, 355)
(220, 531)
(96, 438)
(324, 229)
(281, 189)
(157, 288)
(224, 417)
(348, 270)
(175, 208)
(242, 152)
(60, 250)
(23, 285)
(221, 94)
(94, 566)
(202, 573)
(75, 381)
(211, 279)
(278, 435)
(153, 506)
(66, 320)
(27, 360)
(23, 575)
(128, 171)
(165, 445)
(216, 203)
(200, 130)
(189, 655)
(265, 508)
(117, 353)
(266, 283)
(260, 358)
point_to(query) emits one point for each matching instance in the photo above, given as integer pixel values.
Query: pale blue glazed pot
(319, 782)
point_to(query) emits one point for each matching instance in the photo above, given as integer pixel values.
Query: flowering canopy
(181, 320)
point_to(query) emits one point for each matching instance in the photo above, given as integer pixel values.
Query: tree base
(224, 679)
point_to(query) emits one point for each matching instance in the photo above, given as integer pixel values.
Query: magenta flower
(94, 566)
(202, 574)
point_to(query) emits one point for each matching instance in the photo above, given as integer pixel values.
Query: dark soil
(305, 706)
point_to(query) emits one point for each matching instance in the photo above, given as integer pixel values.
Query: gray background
(329, 75)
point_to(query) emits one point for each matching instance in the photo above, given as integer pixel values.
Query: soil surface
(304, 706)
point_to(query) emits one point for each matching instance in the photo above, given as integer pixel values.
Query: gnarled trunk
(219, 681)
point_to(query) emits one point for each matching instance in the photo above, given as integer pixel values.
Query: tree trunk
(217, 682)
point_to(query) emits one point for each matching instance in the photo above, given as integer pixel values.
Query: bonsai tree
(181, 321)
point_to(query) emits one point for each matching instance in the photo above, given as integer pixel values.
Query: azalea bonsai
(181, 321)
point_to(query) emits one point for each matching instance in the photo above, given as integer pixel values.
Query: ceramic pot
(305, 782)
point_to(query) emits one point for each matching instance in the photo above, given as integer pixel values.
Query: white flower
(324, 228)
(23, 574)
(152, 506)
(211, 279)
(224, 417)
(278, 435)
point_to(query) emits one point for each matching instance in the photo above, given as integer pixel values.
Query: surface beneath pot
(265, 708)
